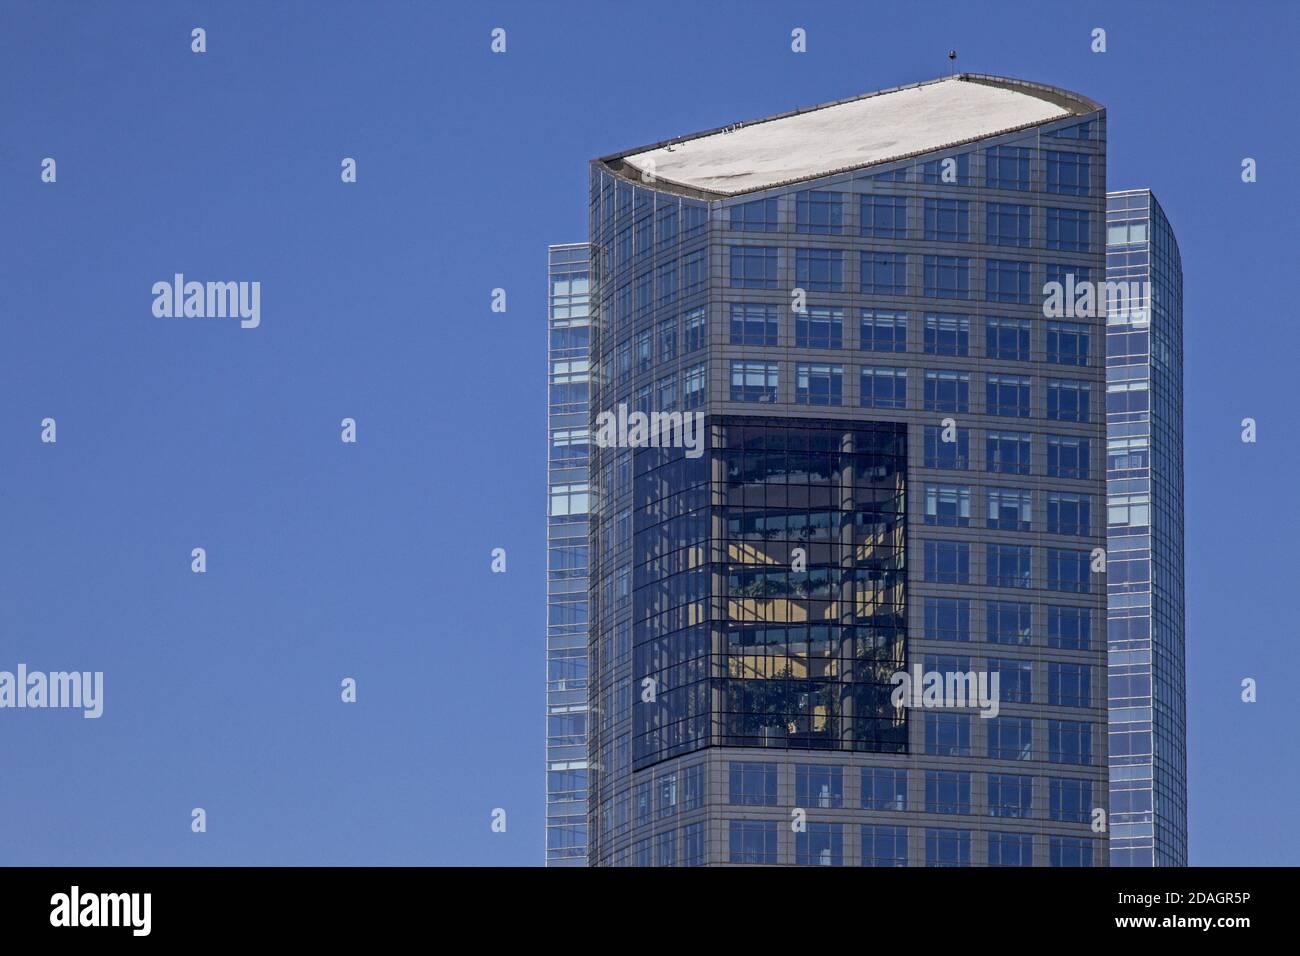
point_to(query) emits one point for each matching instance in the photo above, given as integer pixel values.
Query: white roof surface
(874, 129)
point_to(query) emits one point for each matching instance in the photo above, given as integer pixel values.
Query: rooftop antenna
(952, 62)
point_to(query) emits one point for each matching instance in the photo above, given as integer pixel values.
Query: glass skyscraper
(1144, 470)
(568, 331)
(903, 469)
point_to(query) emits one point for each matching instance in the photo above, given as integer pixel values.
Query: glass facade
(902, 467)
(1144, 471)
(568, 346)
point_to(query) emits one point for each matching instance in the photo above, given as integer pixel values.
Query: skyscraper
(1144, 471)
(568, 328)
(903, 471)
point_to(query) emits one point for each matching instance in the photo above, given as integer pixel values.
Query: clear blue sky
(371, 560)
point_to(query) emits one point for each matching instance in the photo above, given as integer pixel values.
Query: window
(1067, 343)
(1010, 795)
(694, 270)
(1069, 628)
(1123, 454)
(947, 791)
(1068, 513)
(947, 277)
(752, 841)
(623, 247)
(666, 226)
(820, 844)
(1068, 229)
(1015, 679)
(1010, 508)
(947, 391)
(570, 443)
(883, 331)
(1070, 851)
(1006, 339)
(1007, 566)
(1069, 685)
(641, 403)
(1067, 570)
(1007, 167)
(693, 844)
(819, 270)
(753, 323)
(817, 385)
(1008, 622)
(1080, 131)
(641, 799)
(644, 351)
(1006, 281)
(644, 293)
(569, 499)
(947, 334)
(665, 851)
(1010, 738)
(571, 380)
(948, 171)
(1069, 173)
(947, 220)
(884, 273)
(1011, 849)
(817, 211)
(1006, 224)
(947, 847)
(947, 735)
(1067, 457)
(1069, 800)
(819, 328)
(1007, 452)
(884, 788)
(1128, 510)
(947, 454)
(947, 505)
(751, 784)
(667, 340)
(693, 788)
(1069, 741)
(1068, 401)
(1070, 276)
(641, 853)
(1124, 397)
(1007, 395)
(753, 267)
(757, 216)
(694, 331)
(884, 217)
(884, 388)
(666, 277)
(666, 394)
(947, 562)
(1123, 234)
(947, 619)
(693, 387)
(884, 846)
(816, 785)
(753, 381)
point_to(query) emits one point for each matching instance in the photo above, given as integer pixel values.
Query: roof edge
(1075, 103)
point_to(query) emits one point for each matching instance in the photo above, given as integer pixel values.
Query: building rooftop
(849, 134)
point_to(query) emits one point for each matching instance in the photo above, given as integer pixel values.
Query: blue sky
(371, 560)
